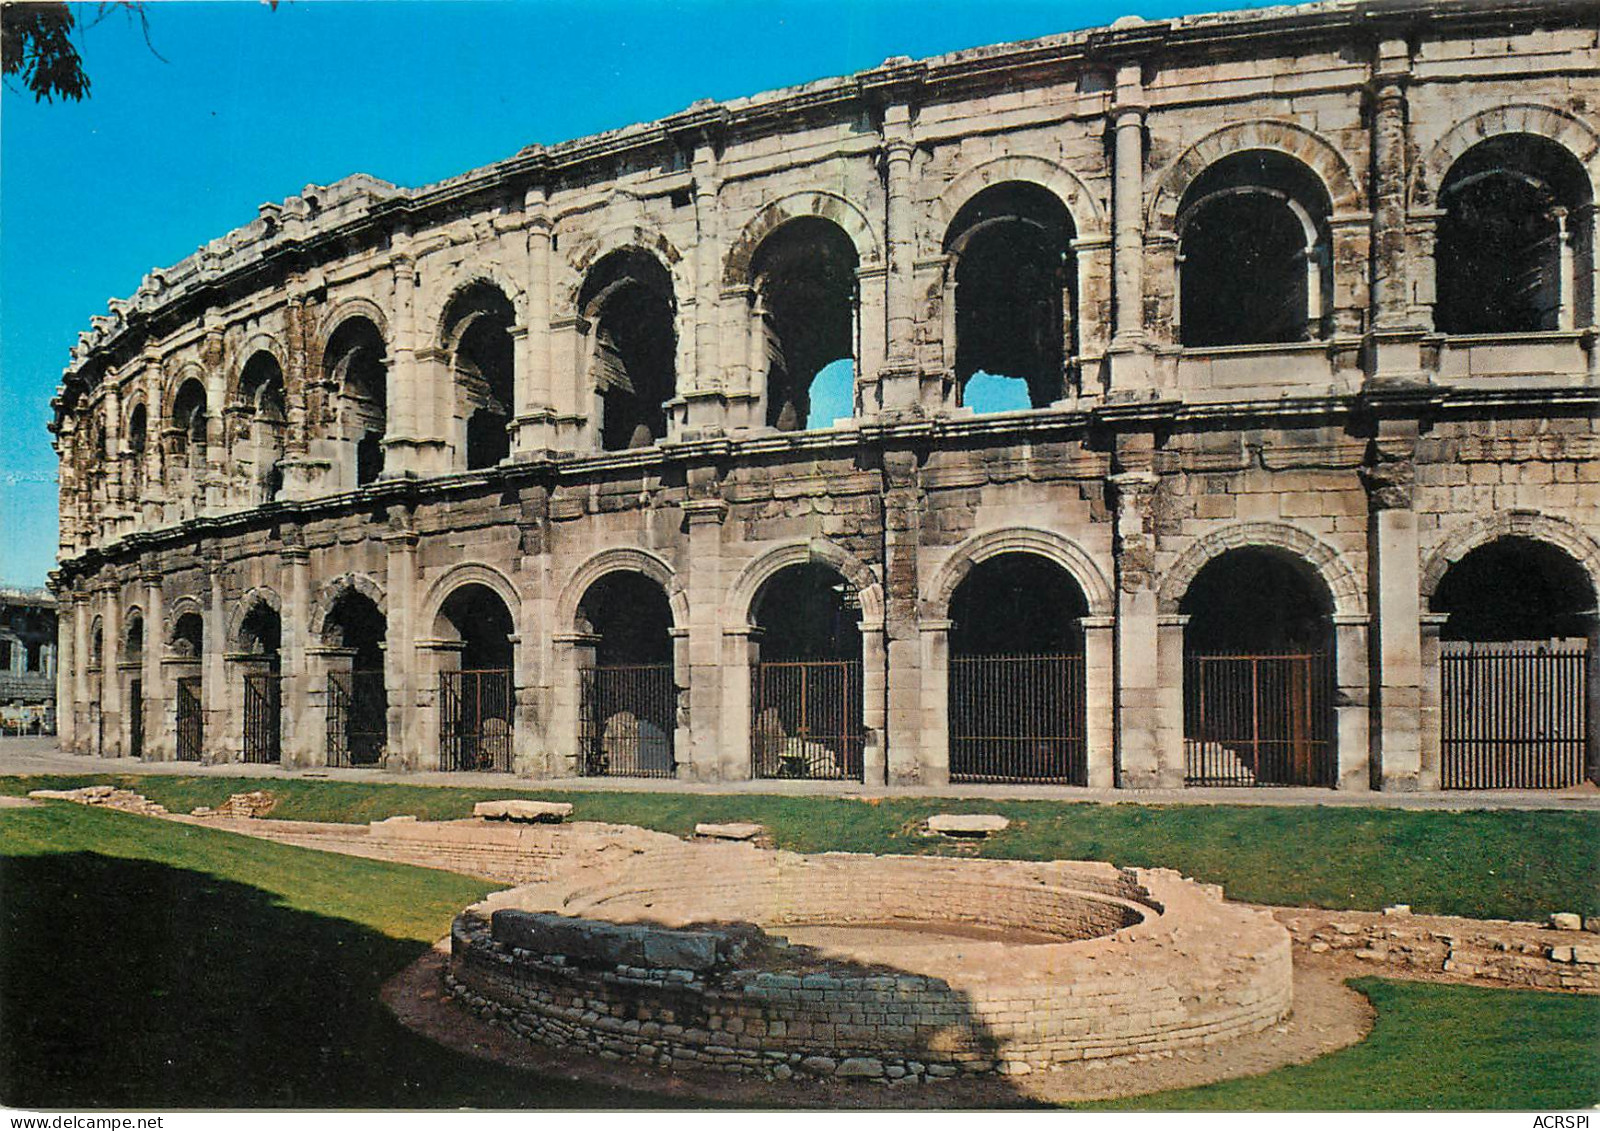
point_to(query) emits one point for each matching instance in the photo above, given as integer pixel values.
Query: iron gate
(1017, 719)
(806, 719)
(629, 713)
(1514, 715)
(1259, 720)
(475, 720)
(191, 724)
(358, 718)
(136, 718)
(263, 717)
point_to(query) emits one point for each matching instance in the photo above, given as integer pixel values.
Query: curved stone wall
(679, 958)
(598, 357)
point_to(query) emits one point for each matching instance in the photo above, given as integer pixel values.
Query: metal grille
(1017, 719)
(806, 719)
(136, 718)
(475, 720)
(262, 717)
(191, 722)
(1515, 715)
(358, 718)
(628, 717)
(1258, 720)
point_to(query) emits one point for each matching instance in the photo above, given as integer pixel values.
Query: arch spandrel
(1342, 583)
(817, 203)
(469, 573)
(1568, 537)
(455, 281)
(1060, 551)
(260, 595)
(345, 309)
(328, 594)
(819, 551)
(623, 237)
(622, 559)
(1087, 211)
(1565, 129)
(1316, 152)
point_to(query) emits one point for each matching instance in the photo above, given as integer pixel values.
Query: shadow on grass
(131, 983)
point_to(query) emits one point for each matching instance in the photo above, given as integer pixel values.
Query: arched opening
(188, 649)
(133, 689)
(476, 688)
(358, 702)
(803, 283)
(1514, 667)
(355, 366)
(806, 700)
(1515, 229)
(478, 325)
(1258, 673)
(1013, 273)
(261, 398)
(628, 709)
(186, 441)
(1017, 674)
(138, 429)
(260, 637)
(1253, 252)
(628, 304)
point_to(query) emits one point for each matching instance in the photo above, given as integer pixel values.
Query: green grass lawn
(1502, 864)
(148, 964)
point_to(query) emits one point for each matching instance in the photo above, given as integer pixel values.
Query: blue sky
(250, 104)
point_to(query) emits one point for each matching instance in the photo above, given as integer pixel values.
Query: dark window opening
(35, 657)
(262, 393)
(356, 623)
(804, 276)
(1514, 589)
(137, 427)
(479, 324)
(808, 612)
(261, 635)
(5, 655)
(189, 422)
(135, 638)
(1014, 276)
(631, 617)
(1017, 604)
(357, 368)
(628, 302)
(477, 617)
(97, 643)
(188, 636)
(1498, 251)
(1253, 252)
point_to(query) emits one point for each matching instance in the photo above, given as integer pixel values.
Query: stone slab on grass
(735, 830)
(967, 824)
(517, 809)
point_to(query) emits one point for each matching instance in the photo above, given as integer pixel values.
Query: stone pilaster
(66, 668)
(302, 739)
(902, 535)
(532, 385)
(110, 668)
(219, 738)
(79, 700)
(214, 483)
(899, 386)
(1394, 345)
(707, 729)
(400, 658)
(1137, 635)
(1396, 644)
(158, 723)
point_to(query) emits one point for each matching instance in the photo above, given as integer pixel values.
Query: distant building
(27, 661)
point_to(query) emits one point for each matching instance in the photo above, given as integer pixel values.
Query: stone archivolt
(1003, 357)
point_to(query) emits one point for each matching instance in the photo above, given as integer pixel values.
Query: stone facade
(460, 412)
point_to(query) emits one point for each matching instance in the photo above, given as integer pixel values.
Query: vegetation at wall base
(1499, 864)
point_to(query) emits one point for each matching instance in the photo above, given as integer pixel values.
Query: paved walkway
(41, 756)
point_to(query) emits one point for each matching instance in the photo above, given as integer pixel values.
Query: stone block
(543, 812)
(1566, 921)
(732, 831)
(859, 1066)
(967, 824)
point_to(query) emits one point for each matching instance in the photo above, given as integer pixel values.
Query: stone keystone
(734, 831)
(967, 824)
(552, 812)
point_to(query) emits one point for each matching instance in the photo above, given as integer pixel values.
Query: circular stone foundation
(693, 955)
